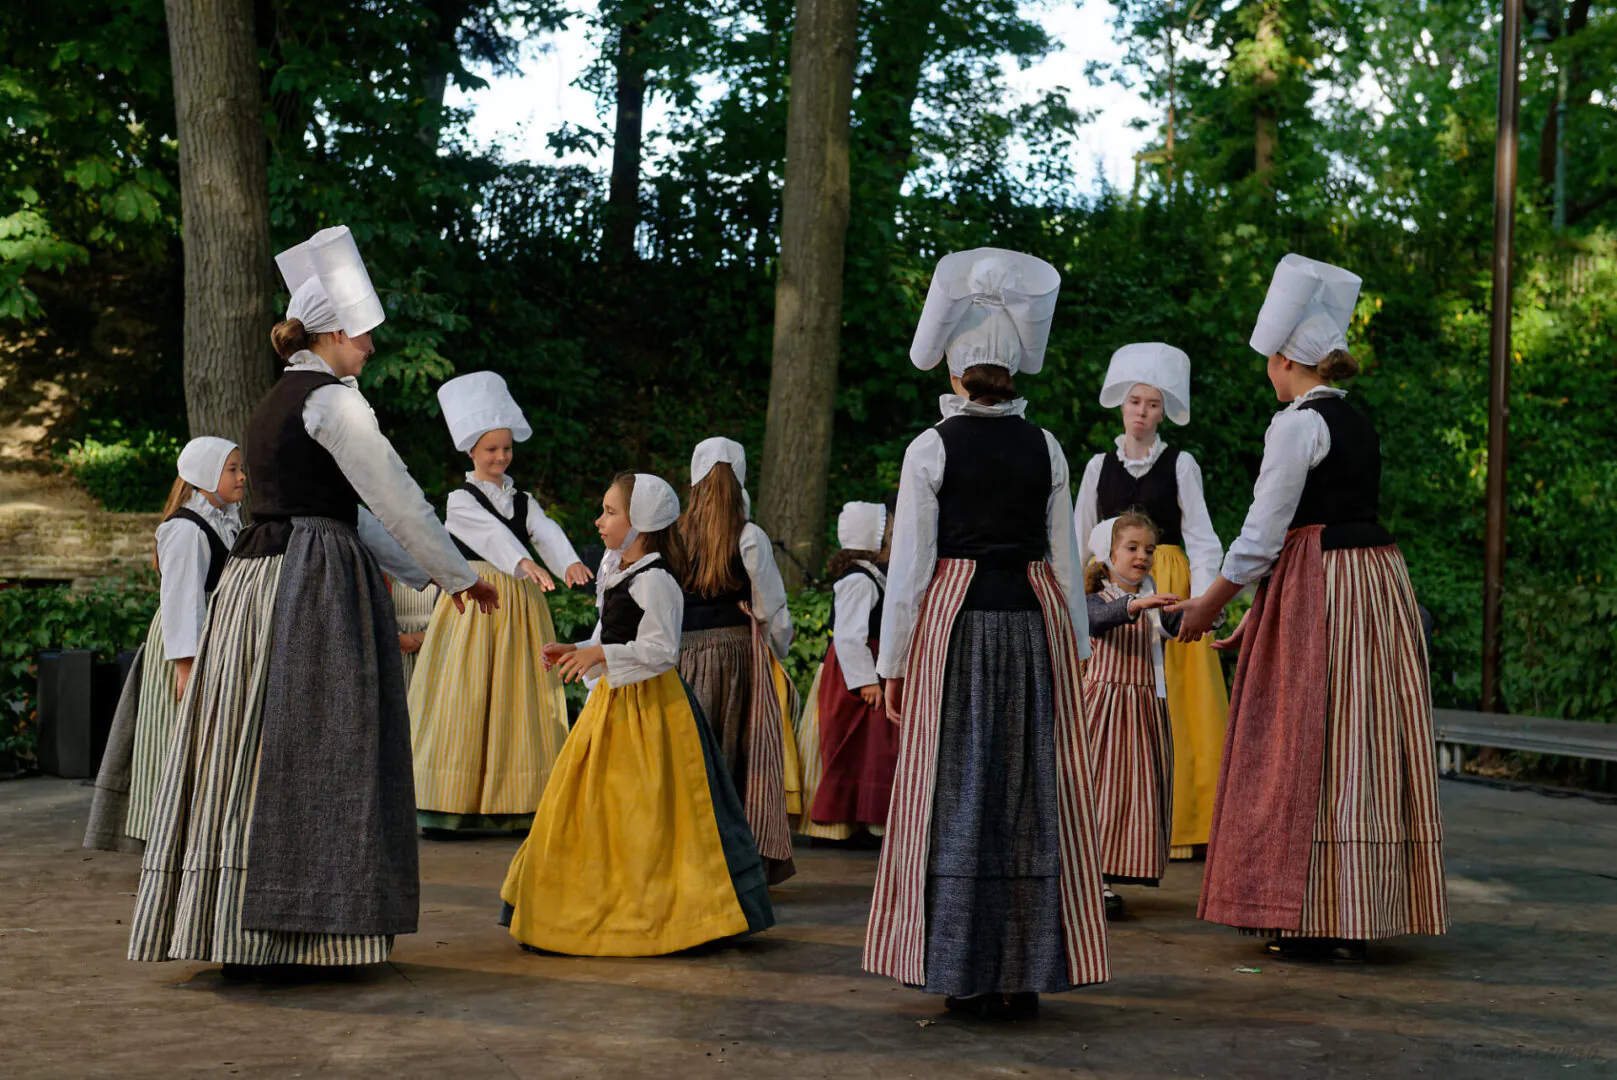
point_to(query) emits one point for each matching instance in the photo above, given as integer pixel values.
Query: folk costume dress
(413, 609)
(192, 545)
(1167, 486)
(1327, 823)
(849, 749)
(1126, 698)
(989, 880)
(640, 846)
(284, 826)
(487, 719)
(732, 663)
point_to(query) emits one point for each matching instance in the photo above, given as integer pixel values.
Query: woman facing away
(988, 889)
(1327, 832)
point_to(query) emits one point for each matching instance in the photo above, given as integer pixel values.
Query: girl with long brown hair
(737, 629)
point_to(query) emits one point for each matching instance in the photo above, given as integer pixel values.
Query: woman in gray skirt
(284, 826)
(989, 886)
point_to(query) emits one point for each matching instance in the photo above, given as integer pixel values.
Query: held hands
(1233, 642)
(1155, 600)
(411, 643)
(578, 574)
(483, 593)
(572, 663)
(1196, 617)
(535, 573)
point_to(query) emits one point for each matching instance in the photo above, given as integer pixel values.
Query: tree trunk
(224, 205)
(1266, 78)
(808, 284)
(628, 139)
(900, 46)
(1577, 19)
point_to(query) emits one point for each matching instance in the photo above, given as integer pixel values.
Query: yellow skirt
(1198, 706)
(813, 766)
(626, 857)
(486, 719)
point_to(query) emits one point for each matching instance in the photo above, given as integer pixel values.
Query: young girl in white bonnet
(487, 720)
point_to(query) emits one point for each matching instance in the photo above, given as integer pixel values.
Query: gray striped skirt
(194, 874)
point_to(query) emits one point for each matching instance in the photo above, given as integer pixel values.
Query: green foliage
(111, 616)
(811, 625)
(1563, 648)
(130, 474)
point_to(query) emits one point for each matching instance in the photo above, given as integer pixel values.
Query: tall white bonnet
(330, 287)
(1154, 364)
(987, 306)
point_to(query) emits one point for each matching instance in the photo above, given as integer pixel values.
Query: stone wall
(74, 546)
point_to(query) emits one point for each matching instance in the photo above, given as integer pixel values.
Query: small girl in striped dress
(1126, 698)
(487, 720)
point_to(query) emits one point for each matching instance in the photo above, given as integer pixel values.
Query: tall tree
(808, 285)
(224, 206)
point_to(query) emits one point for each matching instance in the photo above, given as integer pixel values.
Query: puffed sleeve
(1086, 513)
(339, 419)
(477, 529)
(549, 540)
(1297, 440)
(1063, 544)
(768, 588)
(1202, 547)
(855, 598)
(915, 549)
(182, 561)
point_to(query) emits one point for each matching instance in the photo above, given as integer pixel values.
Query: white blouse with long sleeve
(856, 597)
(655, 648)
(1297, 440)
(474, 526)
(1202, 547)
(340, 420)
(768, 588)
(915, 535)
(183, 560)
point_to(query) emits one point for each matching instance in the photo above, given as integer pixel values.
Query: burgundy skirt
(859, 748)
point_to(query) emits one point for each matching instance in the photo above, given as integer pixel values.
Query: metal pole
(1499, 350)
(1560, 149)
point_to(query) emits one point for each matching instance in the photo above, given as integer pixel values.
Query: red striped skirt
(1375, 869)
(1131, 740)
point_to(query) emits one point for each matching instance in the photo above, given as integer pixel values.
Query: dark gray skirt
(993, 897)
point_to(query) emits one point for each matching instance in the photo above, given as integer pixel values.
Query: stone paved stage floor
(1526, 986)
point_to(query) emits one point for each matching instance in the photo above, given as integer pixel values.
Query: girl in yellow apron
(640, 846)
(1149, 381)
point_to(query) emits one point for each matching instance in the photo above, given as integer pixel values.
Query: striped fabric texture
(154, 726)
(1376, 869)
(486, 719)
(765, 796)
(413, 609)
(1132, 743)
(895, 941)
(194, 873)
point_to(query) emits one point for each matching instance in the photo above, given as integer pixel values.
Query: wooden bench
(1457, 729)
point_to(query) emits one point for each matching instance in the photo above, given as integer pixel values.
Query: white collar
(881, 578)
(228, 515)
(617, 573)
(504, 487)
(1113, 590)
(305, 360)
(1316, 392)
(1151, 455)
(955, 405)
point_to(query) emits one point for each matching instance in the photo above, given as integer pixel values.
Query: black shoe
(1318, 950)
(1114, 906)
(238, 972)
(995, 1006)
(439, 834)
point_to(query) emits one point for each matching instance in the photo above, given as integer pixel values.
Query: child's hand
(554, 652)
(535, 573)
(576, 664)
(893, 692)
(870, 694)
(1233, 642)
(578, 574)
(1155, 600)
(411, 643)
